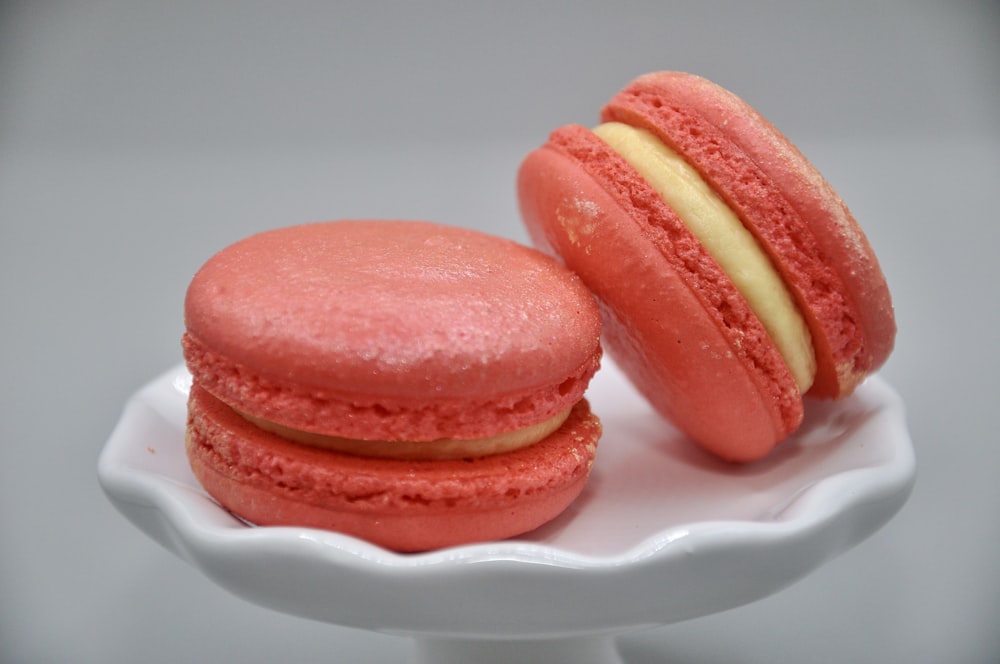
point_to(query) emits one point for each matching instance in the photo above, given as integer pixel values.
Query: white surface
(138, 138)
(662, 533)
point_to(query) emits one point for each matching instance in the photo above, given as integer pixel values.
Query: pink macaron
(732, 277)
(412, 384)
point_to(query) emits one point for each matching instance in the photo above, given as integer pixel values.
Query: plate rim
(162, 508)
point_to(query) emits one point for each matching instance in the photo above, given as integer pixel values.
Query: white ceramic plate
(663, 532)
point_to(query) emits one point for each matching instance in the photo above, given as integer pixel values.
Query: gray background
(136, 138)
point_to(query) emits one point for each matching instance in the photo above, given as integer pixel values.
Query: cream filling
(725, 238)
(443, 448)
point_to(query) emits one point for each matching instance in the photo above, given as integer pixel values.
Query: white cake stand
(663, 533)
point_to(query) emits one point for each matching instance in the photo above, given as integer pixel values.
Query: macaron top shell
(814, 241)
(390, 330)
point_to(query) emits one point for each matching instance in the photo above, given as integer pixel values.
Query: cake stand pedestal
(577, 650)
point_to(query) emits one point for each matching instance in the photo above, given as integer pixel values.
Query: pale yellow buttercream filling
(443, 448)
(725, 238)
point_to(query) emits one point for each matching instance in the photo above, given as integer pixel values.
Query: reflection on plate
(662, 533)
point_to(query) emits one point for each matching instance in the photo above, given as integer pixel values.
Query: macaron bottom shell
(403, 505)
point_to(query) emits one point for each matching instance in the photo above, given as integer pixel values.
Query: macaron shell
(673, 320)
(809, 233)
(391, 330)
(402, 505)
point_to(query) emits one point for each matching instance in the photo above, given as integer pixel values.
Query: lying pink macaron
(412, 384)
(732, 278)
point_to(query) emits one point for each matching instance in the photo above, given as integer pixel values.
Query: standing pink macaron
(732, 277)
(412, 384)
